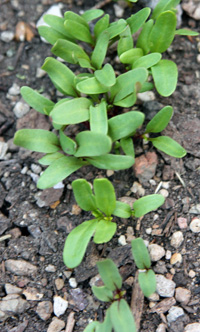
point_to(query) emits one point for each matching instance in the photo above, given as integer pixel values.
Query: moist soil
(37, 222)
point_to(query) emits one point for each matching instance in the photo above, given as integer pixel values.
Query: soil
(37, 222)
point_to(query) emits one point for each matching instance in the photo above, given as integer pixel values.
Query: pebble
(44, 310)
(182, 295)
(145, 166)
(95, 281)
(13, 304)
(109, 173)
(73, 282)
(76, 210)
(156, 252)
(192, 274)
(137, 189)
(67, 274)
(168, 254)
(195, 225)
(7, 36)
(163, 192)
(174, 313)
(56, 325)
(32, 294)
(119, 11)
(146, 96)
(198, 58)
(3, 150)
(59, 305)
(148, 230)
(176, 239)
(161, 328)
(154, 297)
(165, 287)
(40, 73)
(20, 267)
(122, 240)
(193, 327)
(14, 90)
(11, 289)
(182, 223)
(36, 168)
(50, 268)
(21, 108)
(195, 209)
(176, 258)
(59, 283)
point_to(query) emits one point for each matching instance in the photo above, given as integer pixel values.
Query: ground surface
(36, 223)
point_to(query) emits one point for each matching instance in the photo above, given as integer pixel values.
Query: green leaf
(109, 274)
(147, 204)
(36, 100)
(147, 61)
(105, 196)
(69, 15)
(160, 120)
(127, 101)
(92, 14)
(58, 171)
(99, 52)
(140, 254)
(121, 317)
(69, 51)
(143, 39)
(71, 111)
(169, 146)
(106, 326)
(116, 28)
(49, 158)
(127, 146)
(163, 32)
(78, 31)
(91, 86)
(61, 75)
(124, 124)
(125, 42)
(57, 23)
(137, 20)
(98, 118)
(105, 230)
(186, 32)
(147, 86)
(131, 55)
(164, 5)
(49, 34)
(165, 76)
(122, 210)
(92, 327)
(106, 76)
(112, 161)
(83, 195)
(67, 144)
(101, 25)
(102, 293)
(77, 242)
(38, 140)
(92, 144)
(147, 282)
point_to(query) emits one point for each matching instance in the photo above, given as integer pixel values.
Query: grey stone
(11, 289)
(156, 252)
(195, 225)
(195, 209)
(13, 304)
(193, 327)
(176, 239)
(183, 295)
(79, 298)
(44, 310)
(20, 267)
(165, 287)
(174, 313)
(56, 325)
(21, 108)
(7, 36)
(14, 90)
(3, 150)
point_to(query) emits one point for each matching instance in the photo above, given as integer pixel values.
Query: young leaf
(143, 39)
(169, 146)
(124, 124)
(69, 51)
(83, 195)
(69, 15)
(127, 101)
(106, 326)
(36, 100)
(147, 61)
(146, 204)
(105, 196)
(127, 146)
(137, 20)
(164, 5)
(105, 230)
(99, 52)
(91, 86)
(58, 171)
(49, 34)
(106, 75)
(67, 144)
(125, 42)
(61, 75)
(112, 161)
(92, 327)
(78, 31)
(121, 317)
(92, 144)
(140, 254)
(98, 118)
(92, 14)
(71, 111)
(77, 242)
(186, 32)
(57, 23)
(160, 120)
(38, 140)
(147, 282)
(50, 158)
(101, 25)
(131, 55)
(163, 32)
(109, 274)
(146, 86)
(165, 75)
(102, 293)
(116, 28)
(122, 210)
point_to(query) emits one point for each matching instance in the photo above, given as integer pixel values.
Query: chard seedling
(104, 207)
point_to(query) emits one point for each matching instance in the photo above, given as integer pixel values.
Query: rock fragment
(174, 313)
(182, 295)
(11, 289)
(13, 304)
(193, 327)
(44, 310)
(20, 267)
(145, 166)
(156, 252)
(165, 287)
(176, 258)
(56, 325)
(21, 108)
(32, 294)
(176, 239)
(195, 225)
(60, 305)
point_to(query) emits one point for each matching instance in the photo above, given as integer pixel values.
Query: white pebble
(119, 11)
(122, 240)
(7, 36)
(59, 305)
(168, 254)
(195, 209)
(174, 313)
(40, 73)
(193, 327)
(146, 96)
(24, 170)
(14, 90)
(166, 184)
(195, 225)
(20, 109)
(165, 287)
(192, 274)
(36, 168)
(164, 193)
(73, 282)
(137, 188)
(156, 252)
(148, 230)
(3, 149)
(176, 239)
(50, 268)
(198, 58)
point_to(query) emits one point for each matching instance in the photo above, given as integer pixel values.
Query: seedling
(103, 206)
(119, 316)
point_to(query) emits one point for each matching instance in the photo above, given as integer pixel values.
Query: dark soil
(38, 233)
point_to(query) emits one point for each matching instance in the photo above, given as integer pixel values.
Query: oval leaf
(36, 100)
(127, 146)
(143, 39)
(57, 23)
(186, 32)
(78, 31)
(160, 120)
(147, 282)
(122, 210)
(92, 14)
(92, 327)
(137, 20)
(146, 204)
(101, 25)
(164, 5)
(165, 75)
(105, 230)
(105, 196)
(49, 158)
(67, 144)
(125, 42)
(69, 51)
(99, 53)
(112, 161)
(91, 86)
(147, 61)
(110, 274)
(169, 146)
(140, 254)
(103, 293)
(121, 317)
(92, 144)
(106, 76)
(98, 118)
(49, 34)
(83, 195)
(131, 55)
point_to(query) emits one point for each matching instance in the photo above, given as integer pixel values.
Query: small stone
(40, 73)
(146, 96)
(76, 210)
(36, 168)
(195, 225)
(174, 313)
(109, 173)
(176, 239)
(20, 109)
(96, 281)
(14, 90)
(154, 297)
(122, 240)
(7, 36)
(164, 192)
(79, 298)
(137, 189)
(193, 327)
(165, 287)
(161, 328)
(168, 254)
(148, 230)
(198, 58)
(3, 150)
(13, 304)
(182, 223)
(165, 184)
(56, 325)
(50, 268)
(67, 274)
(192, 274)
(59, 305)
(156, 252)
(32, 294)
(44, 310)
(182, 295)
(20, 267)
(11, 289)
(195, 209)
(119, 11)
(59, 283)
(73, 282)
(176, 258)
(145, 166)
